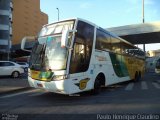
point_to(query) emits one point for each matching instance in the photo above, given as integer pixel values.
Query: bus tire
(97, 86)
(139, 75)
(136, 78)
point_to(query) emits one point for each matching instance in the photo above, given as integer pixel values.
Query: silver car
(24, 65)
(10, 68)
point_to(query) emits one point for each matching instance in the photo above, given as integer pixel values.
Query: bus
(75, 55)
(157, 67)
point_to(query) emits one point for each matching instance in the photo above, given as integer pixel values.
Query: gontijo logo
(82, 83)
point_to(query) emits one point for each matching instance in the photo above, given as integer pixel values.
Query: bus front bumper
(52, 86)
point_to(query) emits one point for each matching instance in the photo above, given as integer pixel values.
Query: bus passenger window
(78, 52)
(116, 45)
(102, 40)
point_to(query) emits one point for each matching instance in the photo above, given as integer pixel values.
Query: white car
(10, 68)
(24, 65)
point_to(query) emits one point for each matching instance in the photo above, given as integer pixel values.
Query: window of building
(4, 5)
(4, 19)
(4, 34)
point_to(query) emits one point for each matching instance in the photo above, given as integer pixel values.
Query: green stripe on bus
(119, 65)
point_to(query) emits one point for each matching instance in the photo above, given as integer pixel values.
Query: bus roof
(71, 19)
(112, 34)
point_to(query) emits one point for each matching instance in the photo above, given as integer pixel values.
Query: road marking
(156, 85)
(37, 94)
(129, 86)
(144, 85)
(12, 95)
(16, 94)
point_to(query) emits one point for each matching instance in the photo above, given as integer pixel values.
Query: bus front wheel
(97, 86)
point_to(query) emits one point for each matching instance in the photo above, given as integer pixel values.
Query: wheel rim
(15, 74)
(25, 69)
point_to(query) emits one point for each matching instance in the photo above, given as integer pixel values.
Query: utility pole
(143, 11)
(144, 47)
(58, 13)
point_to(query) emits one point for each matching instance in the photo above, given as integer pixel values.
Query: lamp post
(143, 11)
(58, 13)
(144, 47)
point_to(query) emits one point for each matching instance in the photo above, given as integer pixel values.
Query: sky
(104, 13)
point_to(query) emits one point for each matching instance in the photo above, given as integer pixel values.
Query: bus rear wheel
(137, 76)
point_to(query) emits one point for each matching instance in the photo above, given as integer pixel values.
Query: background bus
(75, 55)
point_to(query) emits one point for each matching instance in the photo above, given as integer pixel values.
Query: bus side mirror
(64, 40)
(24, 41)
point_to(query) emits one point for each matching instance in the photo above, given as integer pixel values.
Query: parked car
(10, 68)
(24, 65)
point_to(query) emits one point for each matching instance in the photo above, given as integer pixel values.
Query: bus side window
(102, 40)
(127, 49)
(78, 52)
(116, 45)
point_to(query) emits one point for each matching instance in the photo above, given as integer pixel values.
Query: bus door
(82, 51)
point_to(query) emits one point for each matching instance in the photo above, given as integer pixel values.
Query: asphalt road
(130, 98)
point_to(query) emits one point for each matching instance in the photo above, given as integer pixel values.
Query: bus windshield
(47, 54)
(56, 28)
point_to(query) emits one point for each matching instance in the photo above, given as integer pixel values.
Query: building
(145, 33)
(6, 8)
(154, 53)
(27, 19)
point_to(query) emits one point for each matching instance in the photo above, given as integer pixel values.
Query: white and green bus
(75, 55)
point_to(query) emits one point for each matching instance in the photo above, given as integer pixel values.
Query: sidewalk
(11, 85)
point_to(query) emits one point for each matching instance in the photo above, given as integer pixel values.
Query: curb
(14, 91)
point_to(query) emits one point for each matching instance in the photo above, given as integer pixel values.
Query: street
(142, 97)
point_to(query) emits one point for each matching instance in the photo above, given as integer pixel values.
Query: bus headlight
(59, 77)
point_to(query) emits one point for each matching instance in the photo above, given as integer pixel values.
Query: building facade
(6, 8)
(154, 53)
(27, 19)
